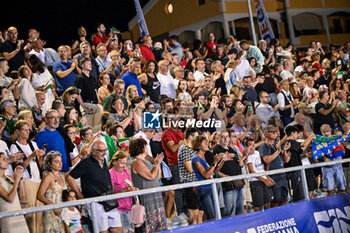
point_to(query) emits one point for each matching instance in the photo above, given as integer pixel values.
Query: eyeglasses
(101, 150)
(265, 96)
(53, 117)
(272, 132)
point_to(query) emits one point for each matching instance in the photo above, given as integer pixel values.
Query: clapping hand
(159, 158)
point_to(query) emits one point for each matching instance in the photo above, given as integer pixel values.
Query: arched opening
(242, 28)
(339, 22)
(214, 27)
(307, 24)
(187, 36)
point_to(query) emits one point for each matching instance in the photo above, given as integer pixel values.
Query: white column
(233, 27)
(290, 24)
(225, 25)
(198, 34)
(325, 27)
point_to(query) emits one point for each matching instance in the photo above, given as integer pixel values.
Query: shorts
(261, 193)
(190, 199)
(331, 173)
(105, 219)
(125, 218)
(280, 189)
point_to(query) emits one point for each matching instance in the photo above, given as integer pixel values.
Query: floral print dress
(52, 222)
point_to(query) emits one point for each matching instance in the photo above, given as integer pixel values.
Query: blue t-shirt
(69, 80)
(199, 177)
(55, 142)
(268, 149)
(131, 79)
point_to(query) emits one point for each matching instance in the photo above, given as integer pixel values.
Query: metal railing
(93, 200)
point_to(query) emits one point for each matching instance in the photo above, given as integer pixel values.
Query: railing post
(94, 217)
(216, 200)
(305, 188)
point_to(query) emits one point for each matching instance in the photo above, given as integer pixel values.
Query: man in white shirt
(9, 83)
(147, 134)
(243, 69)
(167, 83)
(287, 74)
(200, 73)
(302, 67)
(264, 111)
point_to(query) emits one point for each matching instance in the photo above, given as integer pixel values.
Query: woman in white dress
(42, 79)
(27, 98)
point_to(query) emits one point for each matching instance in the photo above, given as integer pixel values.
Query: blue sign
(322, 215)
(151, 120)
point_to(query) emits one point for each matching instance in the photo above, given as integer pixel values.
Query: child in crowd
(71, 215)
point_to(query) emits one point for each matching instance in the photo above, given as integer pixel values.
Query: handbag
(233, 184)
(137, 215)
(111, 204)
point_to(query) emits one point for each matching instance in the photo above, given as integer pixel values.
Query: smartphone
(44, 147)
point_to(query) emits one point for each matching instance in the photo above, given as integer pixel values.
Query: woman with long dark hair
(42, 79)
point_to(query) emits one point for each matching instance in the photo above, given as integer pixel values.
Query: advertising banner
(322, 215)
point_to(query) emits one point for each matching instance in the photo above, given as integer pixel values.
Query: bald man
(167, 84)
(13, 50)
(96, 181)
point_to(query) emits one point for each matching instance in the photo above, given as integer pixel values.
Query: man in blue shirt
(130, 77)
(64, 70)
(51, 136)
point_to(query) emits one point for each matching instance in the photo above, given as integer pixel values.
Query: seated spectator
(69, 96)
(119, 89)
(131, 93)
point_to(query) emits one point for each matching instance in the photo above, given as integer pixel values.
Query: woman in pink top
(121, 182)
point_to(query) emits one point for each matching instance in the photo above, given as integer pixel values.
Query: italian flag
(123, 143)
(47, 86)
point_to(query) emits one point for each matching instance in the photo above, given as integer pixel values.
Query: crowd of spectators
(72, 126)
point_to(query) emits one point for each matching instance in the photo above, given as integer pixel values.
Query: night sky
(58, 21)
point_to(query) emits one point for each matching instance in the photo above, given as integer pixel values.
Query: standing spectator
(204, 171)
(172, 139)
(71, 215)
(80, 38)
(100, 36)
(42, 80)
(146, 48)
(27, 99)
(130, 77)
(85, 50)
(287, 72)
(64, 70)
(55, 138)
(175, 46)
(121, 179)
(334, 172)
(14, 50)
(287, 103)
(185, 155)
(8, 112)
(157, 51)
(343, 108)
(149, 81)
(146, 175)
(211, 44)
(96, 181)
(260, 186)
(50, 191)
(264, 110)
(250, 94)
(88, 98)
(119, 89)
(105, 87)
(32, 174)
(324, 112)
(9, 198)
(167, 84)
(200, 73)
(253, 51)
(273, 158)
(9, 83)
(233, 190)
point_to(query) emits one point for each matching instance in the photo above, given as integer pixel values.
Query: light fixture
(169, 8)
